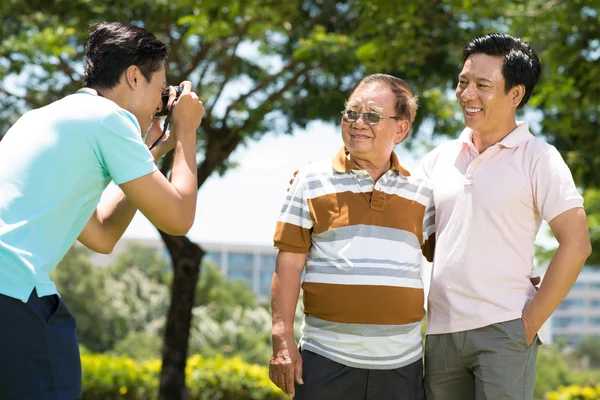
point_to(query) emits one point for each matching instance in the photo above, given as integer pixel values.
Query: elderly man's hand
(285, 365)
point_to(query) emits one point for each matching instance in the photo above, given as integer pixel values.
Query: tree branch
(228, 67)
(200, 56)
(263, 84)
(64, 67)
(532, 14)
(276, 95)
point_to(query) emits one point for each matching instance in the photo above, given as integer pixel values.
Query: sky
(242, 206)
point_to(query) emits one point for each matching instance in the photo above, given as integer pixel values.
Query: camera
(165, 100)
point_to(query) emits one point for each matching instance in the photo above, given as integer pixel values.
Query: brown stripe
(346, 209)
(363, 304)
(292, 238)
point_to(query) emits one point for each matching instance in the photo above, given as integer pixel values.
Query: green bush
(109, 378)
(575, 392)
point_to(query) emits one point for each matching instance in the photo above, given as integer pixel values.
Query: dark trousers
(325, 379)
(39, 353)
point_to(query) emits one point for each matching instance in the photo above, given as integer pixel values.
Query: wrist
(281, 331)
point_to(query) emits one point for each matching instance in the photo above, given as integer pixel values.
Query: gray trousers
(490, 363)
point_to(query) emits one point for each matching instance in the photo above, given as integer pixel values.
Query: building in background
(578, 315)
(253, 264)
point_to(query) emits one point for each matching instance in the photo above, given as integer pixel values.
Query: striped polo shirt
(363, 294)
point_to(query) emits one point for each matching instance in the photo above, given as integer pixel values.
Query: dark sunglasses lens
(371, 118)
(351, 115)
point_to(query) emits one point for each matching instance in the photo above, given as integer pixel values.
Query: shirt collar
(520, 135)
(342, 163)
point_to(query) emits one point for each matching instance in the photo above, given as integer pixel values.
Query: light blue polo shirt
(55, 162)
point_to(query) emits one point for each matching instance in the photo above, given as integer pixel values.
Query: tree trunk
(186, 257)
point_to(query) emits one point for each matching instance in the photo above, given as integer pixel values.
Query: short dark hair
(112, 47)
(406, 102)
(520, 66)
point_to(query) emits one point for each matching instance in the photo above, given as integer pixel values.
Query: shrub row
(575, 392)
(108, 378)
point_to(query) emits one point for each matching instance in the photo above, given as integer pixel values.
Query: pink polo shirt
(489, 208)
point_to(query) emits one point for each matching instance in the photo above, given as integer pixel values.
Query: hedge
(575, 392)
(108, 378)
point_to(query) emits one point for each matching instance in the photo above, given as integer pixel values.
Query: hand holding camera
(187, 111)
(183, 109)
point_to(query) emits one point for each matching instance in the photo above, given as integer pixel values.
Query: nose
(361, 119)
(467, 93)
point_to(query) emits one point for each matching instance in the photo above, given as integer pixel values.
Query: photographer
(55, 162)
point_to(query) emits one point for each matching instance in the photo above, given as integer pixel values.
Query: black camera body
(165, 100)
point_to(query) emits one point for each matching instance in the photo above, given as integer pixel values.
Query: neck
(112, 94)
(484, 139)
(375, 168)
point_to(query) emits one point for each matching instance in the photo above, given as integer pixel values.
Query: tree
(265, 65)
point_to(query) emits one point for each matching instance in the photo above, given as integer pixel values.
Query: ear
(133, 76)
(516, 95)
(402, 128)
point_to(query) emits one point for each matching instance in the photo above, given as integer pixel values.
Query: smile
(473, 110)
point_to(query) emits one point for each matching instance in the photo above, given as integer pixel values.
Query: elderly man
(359, 222)
(492, 188)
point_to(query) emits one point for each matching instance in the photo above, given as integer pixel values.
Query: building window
(565, 304)
(595, 303)
(579, 285)
(267, 262)
(595, 285)
(240, 260)
(595, 321)
(561, 322)
(577, 321)
(243, 275)
(214, 257)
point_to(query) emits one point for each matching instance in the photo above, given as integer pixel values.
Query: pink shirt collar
(520, 135)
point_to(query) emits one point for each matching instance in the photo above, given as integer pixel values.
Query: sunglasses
(369, 118)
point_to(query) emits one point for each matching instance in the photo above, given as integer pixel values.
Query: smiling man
(492, 188)
(359, 222)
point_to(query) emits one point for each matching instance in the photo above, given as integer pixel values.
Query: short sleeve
(554, 190)
(294, 225)
(120, 147)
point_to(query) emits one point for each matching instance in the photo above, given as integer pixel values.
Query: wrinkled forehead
(372, 97)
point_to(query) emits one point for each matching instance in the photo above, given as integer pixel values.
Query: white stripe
(364, 247)
(363, 280)
(375, 264)
(329, 189)
(295, 220)
(365, 346)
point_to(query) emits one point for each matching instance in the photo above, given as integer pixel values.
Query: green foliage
(120, 308)
(108, 378)
(589, 347)
(592, 207)
(214, 288)
(84, 289)
(552, 370)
